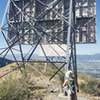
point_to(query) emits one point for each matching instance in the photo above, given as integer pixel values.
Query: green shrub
(90, 86)
(11, 89)
(19, 86)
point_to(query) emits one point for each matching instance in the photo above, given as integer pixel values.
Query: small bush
(21, 86)
(11, 89)
(90, 86)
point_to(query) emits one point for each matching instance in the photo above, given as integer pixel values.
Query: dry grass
(36, 85)
(89, 85)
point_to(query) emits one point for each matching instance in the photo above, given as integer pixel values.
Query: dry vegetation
(33, 86)
(36, 85)
(89, 86)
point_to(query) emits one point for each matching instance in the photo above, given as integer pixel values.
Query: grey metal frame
(63, 24)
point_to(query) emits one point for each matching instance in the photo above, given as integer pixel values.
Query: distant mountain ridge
(93, 57)
(4, 61)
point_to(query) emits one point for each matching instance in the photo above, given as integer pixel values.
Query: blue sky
(81, 48)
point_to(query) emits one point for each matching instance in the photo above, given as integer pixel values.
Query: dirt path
(61, 97)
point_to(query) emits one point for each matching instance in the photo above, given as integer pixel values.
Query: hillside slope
(35, 85)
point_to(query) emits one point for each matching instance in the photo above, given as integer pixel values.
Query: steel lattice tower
(53, 24)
